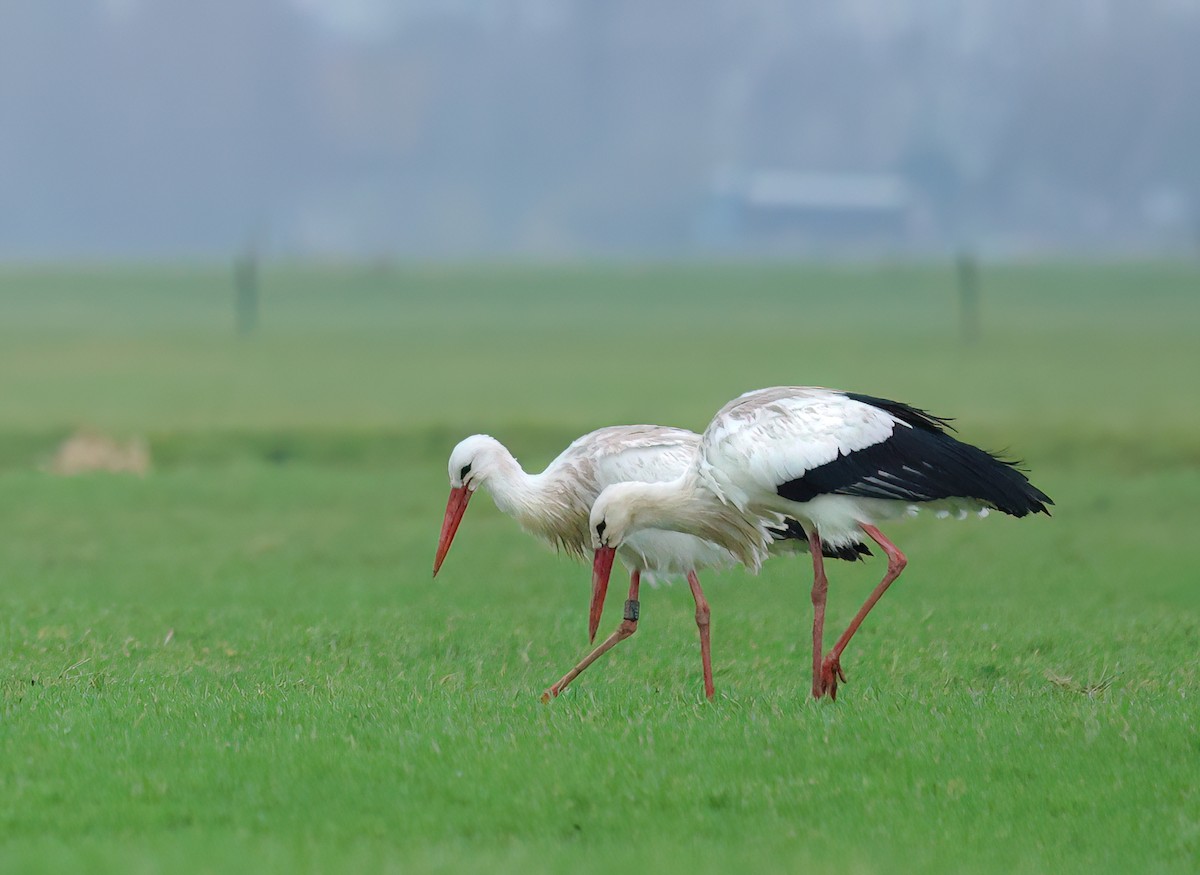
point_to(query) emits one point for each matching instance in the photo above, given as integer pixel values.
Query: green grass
(240, 662)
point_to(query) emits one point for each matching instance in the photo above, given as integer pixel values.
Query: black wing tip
(1036, 501)
(853, 552)
(1027, 498)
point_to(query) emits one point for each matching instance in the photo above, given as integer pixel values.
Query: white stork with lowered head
(554, 506)
(838, 462)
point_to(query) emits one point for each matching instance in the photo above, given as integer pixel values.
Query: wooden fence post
(968, 297)
(245, 286)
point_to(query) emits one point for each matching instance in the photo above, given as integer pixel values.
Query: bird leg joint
(633, 608)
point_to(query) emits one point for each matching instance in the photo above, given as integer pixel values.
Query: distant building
(784, 207)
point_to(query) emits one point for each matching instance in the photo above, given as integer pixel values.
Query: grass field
(240, 661)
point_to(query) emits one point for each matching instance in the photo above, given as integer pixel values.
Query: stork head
(614, 514)
(612, 520)
(471, 462)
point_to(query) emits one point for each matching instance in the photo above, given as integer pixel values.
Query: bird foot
(831, 673)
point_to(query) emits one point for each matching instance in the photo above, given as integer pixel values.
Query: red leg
(819, 592)
(702, 615)
(628, 627)
(831, 669)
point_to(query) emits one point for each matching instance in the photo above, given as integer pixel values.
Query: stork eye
(600, 527)
(462, 475)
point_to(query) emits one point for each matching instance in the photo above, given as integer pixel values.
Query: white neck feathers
(543, 504)
(683, 505)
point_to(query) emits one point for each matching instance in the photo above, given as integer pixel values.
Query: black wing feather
(920, 463)
(793, 531)
(914, 416)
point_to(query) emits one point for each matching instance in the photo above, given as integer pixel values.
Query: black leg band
(633, 608)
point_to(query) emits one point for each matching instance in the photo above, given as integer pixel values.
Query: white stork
(837, 462)
(554, 506)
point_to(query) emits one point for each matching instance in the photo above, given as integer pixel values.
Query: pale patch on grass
(88, 451)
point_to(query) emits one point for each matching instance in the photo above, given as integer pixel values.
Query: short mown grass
(241, 662)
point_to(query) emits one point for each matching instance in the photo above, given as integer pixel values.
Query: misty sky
(530, 128)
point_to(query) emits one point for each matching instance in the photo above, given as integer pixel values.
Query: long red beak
(456, 506)
(601, 569)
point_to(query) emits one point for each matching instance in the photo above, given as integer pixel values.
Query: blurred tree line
(152, 127)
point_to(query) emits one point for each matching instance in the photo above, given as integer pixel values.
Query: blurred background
(263, 263)
(135, 129)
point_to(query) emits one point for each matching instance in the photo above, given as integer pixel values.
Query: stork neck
(512, 487)
(542, 504)
(686, 505)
